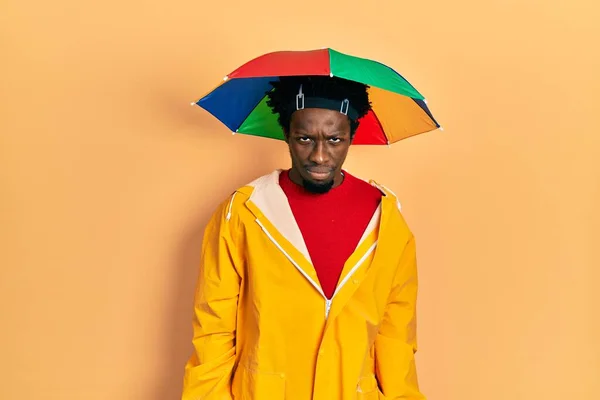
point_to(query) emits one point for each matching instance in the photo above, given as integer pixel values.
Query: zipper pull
(327, 307)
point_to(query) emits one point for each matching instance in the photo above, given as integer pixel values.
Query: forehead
(319, 117)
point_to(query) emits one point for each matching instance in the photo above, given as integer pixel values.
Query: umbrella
(398, 110)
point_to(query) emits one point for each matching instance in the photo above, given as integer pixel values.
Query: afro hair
(282, 96)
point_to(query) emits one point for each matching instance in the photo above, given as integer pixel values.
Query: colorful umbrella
(239, 102)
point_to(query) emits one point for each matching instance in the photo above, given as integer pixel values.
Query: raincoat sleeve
(396, 344)
(208, 371)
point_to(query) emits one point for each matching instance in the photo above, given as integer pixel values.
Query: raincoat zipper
(328, 302)
(328, 306)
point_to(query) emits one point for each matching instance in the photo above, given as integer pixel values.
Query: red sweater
(332, 223)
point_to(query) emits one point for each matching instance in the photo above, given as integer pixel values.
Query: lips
(319, 173)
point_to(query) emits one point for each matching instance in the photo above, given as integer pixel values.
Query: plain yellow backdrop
(108, 176)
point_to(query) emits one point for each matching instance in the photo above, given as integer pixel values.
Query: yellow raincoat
(263, 329)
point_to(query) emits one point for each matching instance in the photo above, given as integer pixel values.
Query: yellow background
(108, 176)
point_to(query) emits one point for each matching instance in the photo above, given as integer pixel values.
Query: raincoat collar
(269, 200)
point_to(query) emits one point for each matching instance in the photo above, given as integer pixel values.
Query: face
(319, 141)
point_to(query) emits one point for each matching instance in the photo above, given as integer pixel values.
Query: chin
(318, 187)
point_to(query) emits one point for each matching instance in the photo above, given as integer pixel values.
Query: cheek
(299, 151)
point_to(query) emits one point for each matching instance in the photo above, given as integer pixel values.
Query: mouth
(319, 174)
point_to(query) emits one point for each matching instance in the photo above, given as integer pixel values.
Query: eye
(303, 139)
(335, 140)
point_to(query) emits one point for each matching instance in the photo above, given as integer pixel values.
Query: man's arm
(396, 342)
(209, 369)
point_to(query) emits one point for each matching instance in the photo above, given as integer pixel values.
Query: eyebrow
(335, 133)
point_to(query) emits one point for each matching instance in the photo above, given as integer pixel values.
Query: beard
(317, 188)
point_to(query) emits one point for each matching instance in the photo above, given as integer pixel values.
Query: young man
(308, 279)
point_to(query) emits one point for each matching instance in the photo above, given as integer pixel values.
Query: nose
(318, 155)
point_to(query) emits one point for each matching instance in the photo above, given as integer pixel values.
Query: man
(308, 282)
